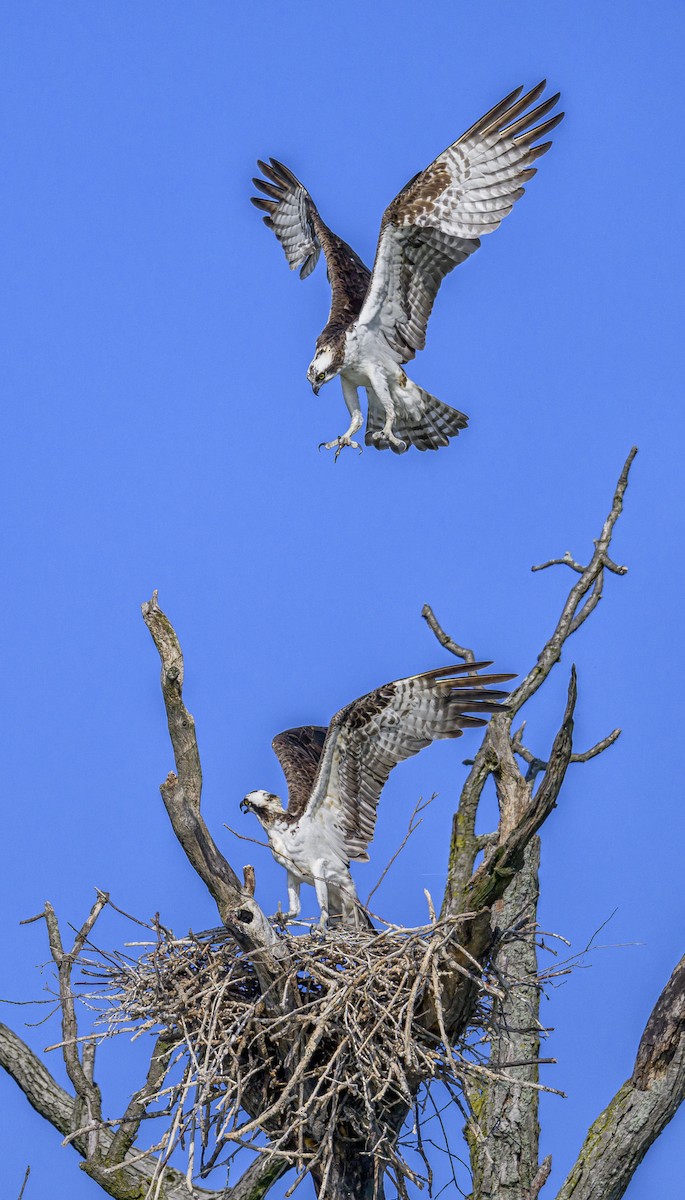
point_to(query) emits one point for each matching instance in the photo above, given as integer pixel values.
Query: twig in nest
(352, 1047)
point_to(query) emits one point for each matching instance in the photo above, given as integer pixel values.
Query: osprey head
(322, 368)
(265, 806)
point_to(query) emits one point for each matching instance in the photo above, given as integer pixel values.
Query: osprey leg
(321, 889)
(352, 401)
(294, 904)
(381, 389)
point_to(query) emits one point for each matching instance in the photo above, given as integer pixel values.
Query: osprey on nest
(378, 319)
(335, 776)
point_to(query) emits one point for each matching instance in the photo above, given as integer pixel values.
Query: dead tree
(315, 1056)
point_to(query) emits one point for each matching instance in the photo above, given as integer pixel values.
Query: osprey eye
(320, 376)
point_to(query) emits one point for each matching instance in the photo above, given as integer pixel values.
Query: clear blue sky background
(159, 432)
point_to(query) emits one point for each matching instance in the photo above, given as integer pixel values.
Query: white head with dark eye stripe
(322, 368)
(265, 805)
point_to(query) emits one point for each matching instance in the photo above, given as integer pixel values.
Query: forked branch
(492, 757)
(583, 597)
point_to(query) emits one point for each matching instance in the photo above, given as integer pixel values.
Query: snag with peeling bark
(323, 1058)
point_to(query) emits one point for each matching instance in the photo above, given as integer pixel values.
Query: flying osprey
(335, 776)
(378, 318)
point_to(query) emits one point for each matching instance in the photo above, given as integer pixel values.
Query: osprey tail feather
(346, 906)
(421, 420)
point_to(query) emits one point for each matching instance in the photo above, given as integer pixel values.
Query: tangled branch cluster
(352, 1027)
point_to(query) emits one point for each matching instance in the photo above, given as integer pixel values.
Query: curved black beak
(244, 806)
(315, 388)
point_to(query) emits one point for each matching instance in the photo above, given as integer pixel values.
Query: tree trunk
(504, 1148)
(352, 1177)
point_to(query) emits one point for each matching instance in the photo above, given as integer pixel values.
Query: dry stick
(244, 838)
(419, 807)
(217, 1060)
(26, 1179)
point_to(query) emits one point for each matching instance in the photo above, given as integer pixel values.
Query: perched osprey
(335, 776)
(378, 319)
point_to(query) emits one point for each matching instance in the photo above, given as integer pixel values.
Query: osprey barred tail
(378, 318)
(335, 776)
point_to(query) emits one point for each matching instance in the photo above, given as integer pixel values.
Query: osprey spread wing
(335, 776)
(378, 318)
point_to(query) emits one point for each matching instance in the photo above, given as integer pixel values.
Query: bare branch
(41, 1090)
(541, 1177)
(26, 1179)
(580, 602)
(464, 844)
(567, 561)
(258, 1179)
(50, 1100)
(664, 1036)
(137, 1107)
(243, 837)
(445, 640)
(536, 765)
(493, 876)
(182, 793)
(598, 748)
(85, 1088)
(641, 1109)
(249, 881)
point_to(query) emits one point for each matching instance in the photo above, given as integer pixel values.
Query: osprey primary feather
(335, 776)
(378, 318)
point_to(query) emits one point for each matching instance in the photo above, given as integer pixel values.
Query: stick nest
(353, 1026)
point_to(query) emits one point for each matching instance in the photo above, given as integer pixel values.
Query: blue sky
(159, 432)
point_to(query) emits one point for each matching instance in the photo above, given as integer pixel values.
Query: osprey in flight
(378, 318)
(335, 776)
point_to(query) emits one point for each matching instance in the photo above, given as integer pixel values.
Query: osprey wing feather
(369, 737)
(290, 212)
(438, 218)
(299, 753)
(294, 218)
